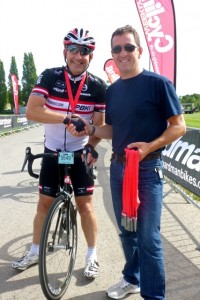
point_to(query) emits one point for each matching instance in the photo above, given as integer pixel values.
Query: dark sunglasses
(127, 47)
(82, 49)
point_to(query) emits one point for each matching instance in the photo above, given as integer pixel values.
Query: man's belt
(122, 158)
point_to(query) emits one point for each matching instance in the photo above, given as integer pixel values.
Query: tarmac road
(18, 200)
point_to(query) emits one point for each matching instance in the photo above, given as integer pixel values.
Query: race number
(66, 158)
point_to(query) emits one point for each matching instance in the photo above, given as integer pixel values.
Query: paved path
(18, 200)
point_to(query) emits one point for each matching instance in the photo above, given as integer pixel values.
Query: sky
(39, 27)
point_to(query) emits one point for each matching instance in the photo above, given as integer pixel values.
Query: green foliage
(29, 76)
(13, 70)
(3, 88)
(194, 98)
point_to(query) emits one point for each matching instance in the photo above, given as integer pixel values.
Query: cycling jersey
(52, 86)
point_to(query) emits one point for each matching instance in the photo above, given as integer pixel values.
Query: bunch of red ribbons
(130, 200)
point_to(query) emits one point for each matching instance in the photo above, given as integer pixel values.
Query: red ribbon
(74, 101)
(130, 200)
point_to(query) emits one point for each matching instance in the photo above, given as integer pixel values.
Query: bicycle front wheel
(58, 248)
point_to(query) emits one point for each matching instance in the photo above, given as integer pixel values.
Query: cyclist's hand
(75, 125)
(90, 155)
(77, 122)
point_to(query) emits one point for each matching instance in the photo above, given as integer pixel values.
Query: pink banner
(15, 92)
(111, 70)
(158, 22)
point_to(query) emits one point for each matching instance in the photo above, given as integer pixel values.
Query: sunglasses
(74, 49)
(128, 47)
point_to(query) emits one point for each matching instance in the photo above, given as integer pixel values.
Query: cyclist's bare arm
(35, 111)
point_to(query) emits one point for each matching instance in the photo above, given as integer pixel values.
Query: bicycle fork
(61, 236)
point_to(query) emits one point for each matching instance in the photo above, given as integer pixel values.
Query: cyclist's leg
(48, 186)
(83, 190)
(43, 206)
(89, 227)
(88, 218)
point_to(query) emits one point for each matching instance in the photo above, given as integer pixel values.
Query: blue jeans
(143, 250)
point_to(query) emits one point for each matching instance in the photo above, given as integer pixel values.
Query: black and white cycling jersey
(52, 86)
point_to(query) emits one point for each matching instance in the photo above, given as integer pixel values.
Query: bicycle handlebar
(29, 157)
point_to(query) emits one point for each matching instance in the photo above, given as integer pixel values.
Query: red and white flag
(15, 92)
(111, 70)
(159, 26)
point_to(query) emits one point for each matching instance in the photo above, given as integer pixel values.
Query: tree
(194, 98)
(3, 88)
(13, 70)
(29, 76)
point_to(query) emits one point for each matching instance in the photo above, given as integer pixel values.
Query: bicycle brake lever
(27, 153)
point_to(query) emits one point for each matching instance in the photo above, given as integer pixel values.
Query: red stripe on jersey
(40, 90)
(90, 188)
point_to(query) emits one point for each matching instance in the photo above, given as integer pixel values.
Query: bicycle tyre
(56, 261)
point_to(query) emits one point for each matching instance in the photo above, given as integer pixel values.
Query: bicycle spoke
(58, 249)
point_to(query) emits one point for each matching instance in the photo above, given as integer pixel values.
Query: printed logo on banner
(5, 122)
(182, 161)
(22, 120)
(111, 70)
(158, 23)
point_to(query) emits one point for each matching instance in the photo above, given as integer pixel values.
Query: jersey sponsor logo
(84, 94)
(60, 84)
(56, 103)
(83, 107)
(39, 79)
(88, 189)
(81, 190)
(58, 72)
(59, 90)
(84, 88)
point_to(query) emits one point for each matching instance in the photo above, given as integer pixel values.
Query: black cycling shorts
(52, 173)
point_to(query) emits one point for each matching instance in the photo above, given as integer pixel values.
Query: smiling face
(127, 62)
(76, 62)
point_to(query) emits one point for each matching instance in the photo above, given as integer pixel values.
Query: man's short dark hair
(125, 29)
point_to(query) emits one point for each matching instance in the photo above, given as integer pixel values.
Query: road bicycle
(58, 244)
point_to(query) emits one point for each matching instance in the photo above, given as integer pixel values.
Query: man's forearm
(101, 132)
(41, 115)
(172, 133)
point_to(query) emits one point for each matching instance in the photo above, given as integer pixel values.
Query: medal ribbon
(130, 198)
(74, 101)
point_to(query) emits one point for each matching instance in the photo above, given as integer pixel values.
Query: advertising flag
(111, 70)
(15, 91)
(159, 26)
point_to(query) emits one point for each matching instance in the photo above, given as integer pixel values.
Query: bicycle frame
(59, 234)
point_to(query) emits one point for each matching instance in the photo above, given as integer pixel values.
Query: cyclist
(58, 92)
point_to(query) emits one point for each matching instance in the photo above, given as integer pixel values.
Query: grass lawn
(193, 120)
